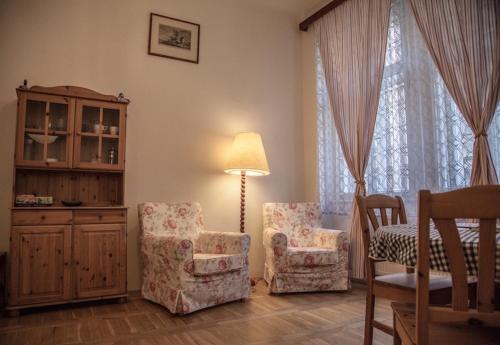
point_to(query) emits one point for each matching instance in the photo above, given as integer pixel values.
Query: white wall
(182, 116)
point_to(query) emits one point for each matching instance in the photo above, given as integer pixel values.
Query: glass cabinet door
(44, 132)
(99, 140)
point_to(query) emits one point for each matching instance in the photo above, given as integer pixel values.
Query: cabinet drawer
(41, 217)
(100, 216)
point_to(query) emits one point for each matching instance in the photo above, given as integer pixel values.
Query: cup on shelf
(61, 124)
(113, 130)
(100, 128)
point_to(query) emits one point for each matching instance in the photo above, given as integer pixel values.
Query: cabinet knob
(43, 217)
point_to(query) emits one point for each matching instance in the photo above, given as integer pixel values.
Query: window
(421, 140)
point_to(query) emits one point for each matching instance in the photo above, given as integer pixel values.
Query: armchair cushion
(311, 256)
(296, 220)
(171, 247)
(214, 242)
(183, 219)
(207, 264)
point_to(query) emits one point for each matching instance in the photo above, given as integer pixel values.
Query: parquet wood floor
(305, 319)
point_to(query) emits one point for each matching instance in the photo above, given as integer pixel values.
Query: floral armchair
(185, 267)
(300, 255)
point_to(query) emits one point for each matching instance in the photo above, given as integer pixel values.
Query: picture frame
(174, 38)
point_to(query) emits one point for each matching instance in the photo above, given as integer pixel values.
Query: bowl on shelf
(39, 138)
(71, 203)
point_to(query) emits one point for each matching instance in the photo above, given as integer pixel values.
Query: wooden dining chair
(459, 323)
(395, 287)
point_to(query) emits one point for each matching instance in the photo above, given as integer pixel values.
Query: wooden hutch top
(74, 91)
(70, 145)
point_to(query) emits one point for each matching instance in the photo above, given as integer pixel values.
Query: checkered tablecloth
(398, 243)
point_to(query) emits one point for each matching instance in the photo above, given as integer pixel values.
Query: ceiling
(300, 8)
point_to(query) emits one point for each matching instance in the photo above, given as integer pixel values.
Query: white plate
(39, 138)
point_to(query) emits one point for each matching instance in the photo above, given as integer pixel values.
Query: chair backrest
(181, 219)
(296, 220)
(367, 205)
(480, 202)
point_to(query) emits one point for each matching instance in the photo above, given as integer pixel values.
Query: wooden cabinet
(99, 142)
(70, 145)
(99, 255)
(66, 262)
(70, 127)
(45, 131)
(41, 217)
(41, 256)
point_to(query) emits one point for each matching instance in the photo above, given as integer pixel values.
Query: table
(398, 243)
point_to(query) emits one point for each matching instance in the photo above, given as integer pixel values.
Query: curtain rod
(304, 25)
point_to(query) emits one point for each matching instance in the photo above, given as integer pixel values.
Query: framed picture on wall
(174, 38)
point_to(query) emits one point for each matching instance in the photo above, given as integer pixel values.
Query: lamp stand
(242, 202)
(242, 212)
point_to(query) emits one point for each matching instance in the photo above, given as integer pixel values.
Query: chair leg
(370, 314)
(396, 338)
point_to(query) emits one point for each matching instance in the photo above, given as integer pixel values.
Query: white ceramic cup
(113, 130)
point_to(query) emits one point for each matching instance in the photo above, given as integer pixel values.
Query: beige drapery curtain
(352, 43)
(463, 37)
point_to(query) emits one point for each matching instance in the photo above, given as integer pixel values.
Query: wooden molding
(304, 25)
(74, 91)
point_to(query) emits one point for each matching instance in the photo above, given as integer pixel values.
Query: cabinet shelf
(42, 132)
(58, 133)
(34, 130)
(111, 136)
(88, 134)
(95, 135)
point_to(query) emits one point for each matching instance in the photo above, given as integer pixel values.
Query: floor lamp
(247, 158)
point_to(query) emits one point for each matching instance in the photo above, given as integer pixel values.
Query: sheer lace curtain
(421, 139)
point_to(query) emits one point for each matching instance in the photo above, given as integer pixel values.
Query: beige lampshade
(247, 154)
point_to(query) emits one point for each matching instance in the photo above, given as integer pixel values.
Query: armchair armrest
(216, 242)
(171, 247)
(327, 238)
(272, 238)
(275, 244)
(335, 239)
